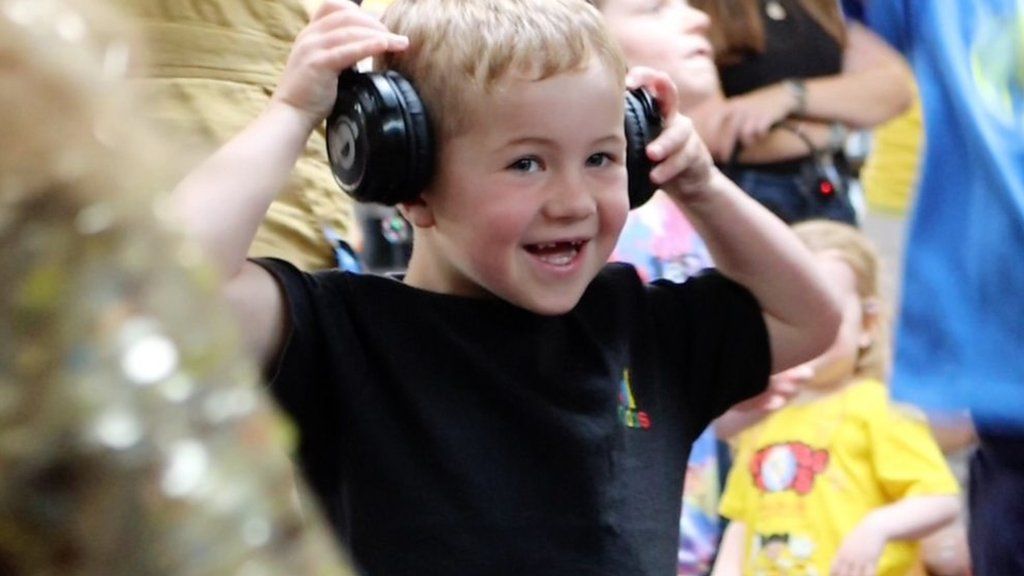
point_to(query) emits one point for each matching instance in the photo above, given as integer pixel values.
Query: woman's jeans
(795, 196)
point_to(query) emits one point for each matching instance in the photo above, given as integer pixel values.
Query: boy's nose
(571, 199)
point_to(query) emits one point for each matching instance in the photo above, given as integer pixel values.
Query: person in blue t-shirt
(960, 324)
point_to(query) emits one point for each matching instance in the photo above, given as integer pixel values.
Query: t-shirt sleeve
(904, 454)
(890, 19)
(853, 9)
(296, 381)
(298, 289)
(714, 333)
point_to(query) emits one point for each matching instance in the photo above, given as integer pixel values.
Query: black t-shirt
(795, 47)
(461, 436)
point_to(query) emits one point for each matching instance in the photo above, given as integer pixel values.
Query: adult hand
(747, 118)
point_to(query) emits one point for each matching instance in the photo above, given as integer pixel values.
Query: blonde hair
(853, 247)
(460, 49)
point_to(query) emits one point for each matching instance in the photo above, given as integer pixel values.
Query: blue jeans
(793, 197)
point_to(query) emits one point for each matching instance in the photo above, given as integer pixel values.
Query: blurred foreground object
(134, 437)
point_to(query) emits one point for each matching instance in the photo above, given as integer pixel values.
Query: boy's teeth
(556, 253)
(561, 259)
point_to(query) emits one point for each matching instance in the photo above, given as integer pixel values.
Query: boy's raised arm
(747, 243)
(223, 200)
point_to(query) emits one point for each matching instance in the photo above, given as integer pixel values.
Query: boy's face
(667, 35)
(529, 202)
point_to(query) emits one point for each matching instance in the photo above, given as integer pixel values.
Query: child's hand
(683, 165)
(860, 551)
(782, 388)
(339, 35)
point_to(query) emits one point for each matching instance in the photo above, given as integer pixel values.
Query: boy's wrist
(292, 115)
(701, 197)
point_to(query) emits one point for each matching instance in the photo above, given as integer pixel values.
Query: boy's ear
(870, 314)
(418, 212)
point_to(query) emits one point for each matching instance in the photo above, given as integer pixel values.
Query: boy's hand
(339, 35)
(683, 165)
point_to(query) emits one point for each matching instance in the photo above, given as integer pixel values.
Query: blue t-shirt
(960, 340)
(853, 9)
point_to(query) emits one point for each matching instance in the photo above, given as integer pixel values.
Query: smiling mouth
(557, 253)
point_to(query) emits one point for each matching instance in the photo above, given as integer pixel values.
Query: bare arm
(777, 145)
(747, 243)
(223, 201)
(908, 519)
(756, 249)
(914, 517)
(874, 86)
(729, 561)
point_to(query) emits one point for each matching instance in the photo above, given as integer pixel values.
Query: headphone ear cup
(379, 140)
(419, 144)
(643, 124)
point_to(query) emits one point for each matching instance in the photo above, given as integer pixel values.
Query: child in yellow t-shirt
(841, 481)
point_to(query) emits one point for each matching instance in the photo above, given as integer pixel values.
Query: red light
(826, 188)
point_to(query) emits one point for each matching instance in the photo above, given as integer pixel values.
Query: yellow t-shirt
(211, 68)
(891, 169)
(804, 477)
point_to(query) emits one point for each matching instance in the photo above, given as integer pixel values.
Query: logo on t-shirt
(629, 414)
(787, 466)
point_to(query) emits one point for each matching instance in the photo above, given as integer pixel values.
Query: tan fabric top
(213, 65)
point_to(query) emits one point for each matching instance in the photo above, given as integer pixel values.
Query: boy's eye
(655, 5)
(529, 164)
(599, 159)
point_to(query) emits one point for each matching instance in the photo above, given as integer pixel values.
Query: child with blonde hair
(513, 404)
(841, 481)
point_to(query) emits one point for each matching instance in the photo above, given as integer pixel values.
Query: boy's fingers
(330, 6)
(347, 55)
(693, 153)
(672, 138)
(658, 84)
(345, 18)
(340, 38)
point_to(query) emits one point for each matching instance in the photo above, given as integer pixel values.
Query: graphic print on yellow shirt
(787, 466)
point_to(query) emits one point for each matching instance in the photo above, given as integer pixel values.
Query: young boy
(502, 408)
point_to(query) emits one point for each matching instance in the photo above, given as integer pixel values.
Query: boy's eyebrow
(612, 138)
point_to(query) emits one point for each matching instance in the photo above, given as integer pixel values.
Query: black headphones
(380, 141)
